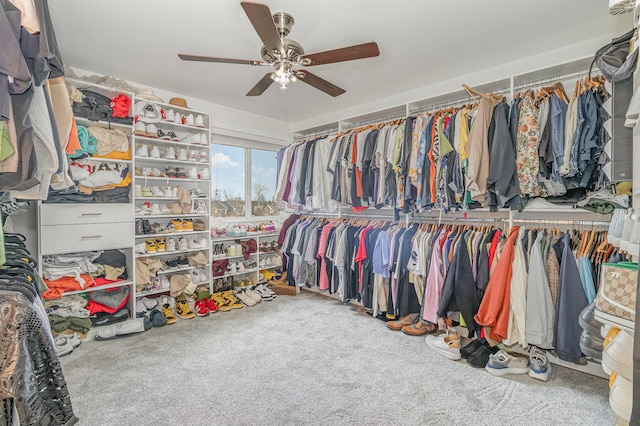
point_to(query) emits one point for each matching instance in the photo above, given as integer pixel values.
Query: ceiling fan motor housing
(292, 50)
(283, 22)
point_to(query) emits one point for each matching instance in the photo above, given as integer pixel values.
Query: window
(228, 181)
(243, 181)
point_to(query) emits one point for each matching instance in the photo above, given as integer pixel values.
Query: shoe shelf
(235, 274)
(176, 127)
(104, 124)
(170, 142)
(169, 253)
(270, 253)
(168, 179)
(239, 237)
(169, 234)
(99, 287)
(152, 292)
(178, 270)
(233, 257)
(143, 198)
(272, 267)
(169, 161)
(169, 215)
(107, 160)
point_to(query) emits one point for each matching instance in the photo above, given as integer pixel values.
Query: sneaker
(203, 157)
(221, 302)
(157, 192)
(187, 225)
(138, 190)
(155, 209)
(169, 154)
(618, 355)
(150, 246)
(204, 173)
(173, 136)
(199, 225)
(146, 192)
(166, 192)
(169, 115)
(200, 207)
(195, 138)
(162, 135)
(201, 308)
(142, 151)
(161, 245)
(182, 244)
(178, 118)
(231, 299)
(192, 173)
(539, 365)
(170, 172)
(466, 351)
(151, 131)
(447, 344)
(175, 225)
(502, 363)
(240, 267)
(141, 248)
(193, 244)
(182, 154)
(181, 174)
(140, 129)
(190, 121)
(171, 244)
(63, 345)
(199, 121)
(168, 314)
(192, 156)
(244, 298)
(202, 242)
(182, 308)
(149, 303)
(154, 152)
(196, 193)
(211, 305)
(165, 284)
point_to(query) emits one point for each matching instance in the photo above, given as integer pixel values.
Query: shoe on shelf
(147, 192)
(155, 209)
(187, 225)
(190, 121)
(169, 154)
(166, 191)
(231, 250)
(192, 156)
(201, 308)
(199, 121)
(161, 244)
(618, 355)
(141, 248)
(154, 152)
(181, 174)
(157, 192)
(150, 246)
(539, 366)
(197, 193)
(202, 242)
(182, 244)
(502, 363)
(406, 320)
(151, 131)
(199, 225)
(192, 173)
(172, 136)
(138, 190)
(162, 135)
(199, 207)
(203, 157)
(171, 244)
(143, 150)
(193, 244)
(183, 262)
(182, 154)
(621, 398)
(168, 115)
(140, 129)
(182, 308)
(447, 344)
(204, 173)
(168, 313)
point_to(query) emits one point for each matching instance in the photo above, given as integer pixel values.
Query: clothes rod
(381, 120)
(314, 135)
(545, 81)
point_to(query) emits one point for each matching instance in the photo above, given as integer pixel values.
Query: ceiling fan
(284, 54)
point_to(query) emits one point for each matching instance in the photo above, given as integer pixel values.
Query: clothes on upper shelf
(525, 287)
(490, 154)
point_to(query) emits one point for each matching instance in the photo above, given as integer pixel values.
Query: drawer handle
(90, 237)
(91, 214)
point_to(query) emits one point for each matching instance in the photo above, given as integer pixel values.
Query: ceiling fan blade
(320, 83)
(360, 51)
(215, 59)
(261, 86)
(262, 21)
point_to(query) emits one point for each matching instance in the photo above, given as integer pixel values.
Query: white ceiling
(421, 42)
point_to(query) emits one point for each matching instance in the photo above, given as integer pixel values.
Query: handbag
(616, 297)
(614, 60)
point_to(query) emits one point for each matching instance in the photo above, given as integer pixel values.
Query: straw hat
(179, 102)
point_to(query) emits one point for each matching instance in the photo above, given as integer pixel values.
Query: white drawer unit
(71, 214)
(56, 239)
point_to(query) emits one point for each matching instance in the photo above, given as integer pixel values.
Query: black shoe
(466, 351)
(480, 357)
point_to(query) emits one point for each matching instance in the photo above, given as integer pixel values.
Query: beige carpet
(309, 359)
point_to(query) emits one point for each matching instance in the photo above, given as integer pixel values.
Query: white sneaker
(157, 192)
(142, 151)
(154, 152)
(195, 138)
(182, 244)
(174, 192)
(200, 207)
(63, 346)
(170, 116)
(155, 209)
(190, 120)
(203, 157)
(171, 244)
(166, 191)
(146, 171)
(151, 131)
(502, 363)
(140, 129)
(447, 344)
(141, 248)
(204, 173)
(262, 264)
(177, 118)
(192, 173)
(240, 267)
(138, 190)
(202, 242)
(164, 209)
(169, 153)
(199, 121)
(164, 282)
(182, 154)
(193, 244)
(231, 250)
(192, 156)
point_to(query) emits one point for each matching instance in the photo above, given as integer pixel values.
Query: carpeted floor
(309, 360)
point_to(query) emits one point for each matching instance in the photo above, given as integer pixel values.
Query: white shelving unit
(194, 142)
